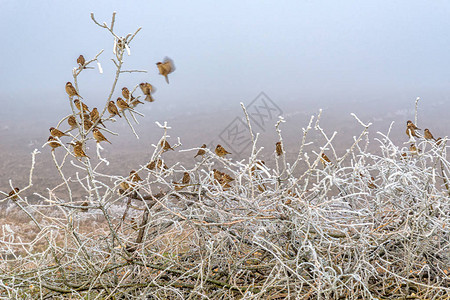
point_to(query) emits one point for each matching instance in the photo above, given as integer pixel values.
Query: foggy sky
(227, 52)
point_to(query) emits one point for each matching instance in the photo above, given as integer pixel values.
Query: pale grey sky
(229, 51)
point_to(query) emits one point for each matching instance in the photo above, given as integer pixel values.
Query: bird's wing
(168, 65)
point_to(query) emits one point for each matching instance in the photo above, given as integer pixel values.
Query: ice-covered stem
(119, 55)
(415, 110)
(129, 124)
(364, 132)
(303, 144)
(280, 138)
(248, 124)
(58, 167)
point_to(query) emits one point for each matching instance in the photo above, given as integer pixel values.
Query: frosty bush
(360, 226)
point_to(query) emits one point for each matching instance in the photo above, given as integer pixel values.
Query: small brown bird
(95, 116)
(53, 142)
(186, 178)
(85, 204)
(124, 186)
(72, 121)
(112, 109)
(413, 149)
(87, 124)
(79, 105)
(166, 67)
(227, 178)
(98, 136)
(409, 123)
(81, 61)
(127, 95)
(56, 132)
(220, 151)
(438, 141)
(325, 160)
(217, 174)
(148, 90)
(122, 104)
(71, 91)
(222, 177)
(279, 148)
(371, 183)
(201, 152)
(166, 146)
(158, 163)
(410, 131)
(78, 150)
(13, 194)
(134, 176)
(427, 134)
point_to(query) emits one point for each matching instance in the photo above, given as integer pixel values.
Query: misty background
(372, 58)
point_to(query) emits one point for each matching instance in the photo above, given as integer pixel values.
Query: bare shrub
(354, 226)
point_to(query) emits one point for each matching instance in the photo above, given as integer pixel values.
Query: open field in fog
(20, 136)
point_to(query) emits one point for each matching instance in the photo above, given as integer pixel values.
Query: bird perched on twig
(127, 95)
(409, 123)
(413, 149)
(158, 163)
(427, 134)
(81, 61)
(201, 152)
(71, 91)
(72, 121)
(79, 104)
(132, 101)
(13, 194)
(124, 186)
(122, 104)
(279, 148)
(112, 109)
(52, 142)
(184, 182)
(87, 124)
(98, 136)
(166, 67)
(95, 116)
(186, 178)
(85, 204)
(134, 176)
(223, 178)
(371, 184)
(78, 149)
(148, 90)
(411, 129)
(220, 151)
(325, 160)
(166, 146)
(57, 133)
